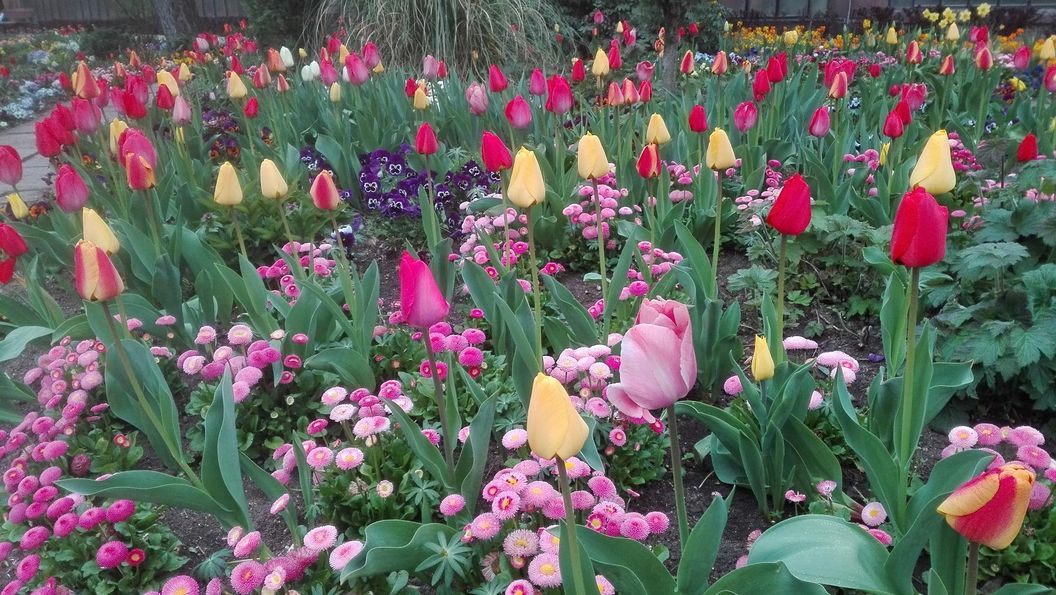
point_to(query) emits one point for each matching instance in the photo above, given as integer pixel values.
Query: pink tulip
(745, 116)
(357, 71)
(181, 111)
(537, 83)
(559, 95)
(477, 98)
(327, 72)
(644, 70)
(10, 165)
(70, 192)
(430, 67)
(658, 365)
(86, 116)
(133, 141)
(422, 304)
(371, 57)
(819, 122)
(1021, 59)
(518, 112)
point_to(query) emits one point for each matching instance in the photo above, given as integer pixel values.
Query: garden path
(34, 166)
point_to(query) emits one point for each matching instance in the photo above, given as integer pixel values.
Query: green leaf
(698, 558)
(392, 545)
(427, 454)
(352, 367)
(585, 566)
(153, 487)
(815, 457)
(752, 461)
(470, 469)
(221, 471)
(827, 550)
(631, 566)
(763, 578)
(14, 344)
(579, 321)
(272, 489)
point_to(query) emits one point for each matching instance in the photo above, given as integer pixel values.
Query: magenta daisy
(1026, 436)
(634, 526)
(506, 505)
(452, 505)
(658, 521)
(321, 538)
(344, 553)
(989, 434)
(111, 554)
(1034, 456)
(247, 544)
(601, 486)
(520, 587)
(247, 577)
(180, 585)
(582, 500)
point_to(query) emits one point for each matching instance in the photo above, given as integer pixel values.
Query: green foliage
(648, 17)
(1031, 557)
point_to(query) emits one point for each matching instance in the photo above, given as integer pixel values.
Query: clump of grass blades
(506, 32)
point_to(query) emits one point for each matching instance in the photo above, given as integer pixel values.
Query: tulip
(286, 57)
(649, 162)
(777, 67)
(86, 115)
(893, 126)
(790, 214)
(698, 119)
(11, 246)
(658, 363)
(1048, 50)
(371, 56)
(904, 112)
(645, 92)
(95, 230)
(117, 128)
(819, 122)
(272, 184)
(934, 169)
(10, 165)
(555, 428)
(913, 53)
(335, 93)
(262, 77)
(1021, 59)
(184, 73)
(356, 71)
(421, 100)
(656, 132)
(918, 238)
(953, 33)
(591, 159)
(526, 180)
(686, 65)
(327, 73)
(630, 93)
(228, 190)
(518, 113)
(236, 89)
(836, 66)
(791, 37)
(1028, 148)
(745, 116)
(761, 85)
(71, 194)
(139, 172)
(84, 85)
(579, 72)
(324, 192)
(615, 94)
(537, 83)
(47, 144)
(497, 80)
(559, 95)
(884, 149)
(1050, 79)
(181, 112)
(422, 304)
(600, 67)
(477, 98)
(95, 276)
(165, 79)
(252, 108)
(425, 142)
(18, 207)
(133, 59)
(307, 75)
(874, 70)
(720, 152)
(615, 59)
(948, 66)
(892, 36)
(721, 63)
(762, 361)
(839, 86)
(134, 141)
(494, 153)
(281, 85)
(644, 70)
(989, 509)
(984, 60)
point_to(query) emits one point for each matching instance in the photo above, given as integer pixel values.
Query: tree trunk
(178, 18)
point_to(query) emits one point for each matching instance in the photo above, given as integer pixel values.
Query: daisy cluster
(1022, 444)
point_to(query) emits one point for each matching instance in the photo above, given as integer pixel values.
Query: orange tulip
(989, 509)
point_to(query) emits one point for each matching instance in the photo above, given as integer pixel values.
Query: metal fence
(101, 11)
(806, 8)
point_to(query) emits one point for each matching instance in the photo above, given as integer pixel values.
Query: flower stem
(578, 582)
(971, 579)
(718, 235)
(506, 246)
(438, 388)
(152, 221)
(535, 291)
(286, 226)
(908, 390)
(782, 258)
(676, 475)
(601, 256)
(238, 232)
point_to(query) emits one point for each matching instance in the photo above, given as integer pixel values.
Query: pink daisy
(873, 514)
(506, 505)
(634, 526)
(320, 457)
(111, 554)
(321, 538)
(486, 526)
(349, 458)
(794, 496)
(246, 545)
(963, 437)
(452, 505)
(545, 571)
(989, 434)
(1039, 496)
(658, 521)
(344, 553)
(180, 585)
(604, 586)
(247, 577)
(521, 543)
(520, 587)
(280, 504)
(515, 439)
(1026, 436)
(1034, 456)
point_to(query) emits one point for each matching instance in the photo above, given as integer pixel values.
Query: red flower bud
(790, 214)
(918, 238)
(1028, 149)
(494, 153)
(698, 119)
(425, 141)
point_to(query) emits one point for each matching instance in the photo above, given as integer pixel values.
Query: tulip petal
(650, 365)
(85, 269)
(971, 496)
(998, 521)
(576, 434)
(618, 396)
(547, 416)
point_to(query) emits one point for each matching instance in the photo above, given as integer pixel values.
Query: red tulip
(984, 60)
(615, 59)
(281, 84)
(874, 70)
(496, 80)
(262, 77)
(979, 34)
(494, 153)
(913, 53)
(70, 192)
(84, 85)
(324, 192)
(902, 108)
(1021, 59)
(698, 119)
(65, 82)
(47, 144)
(86, 116)
(139, 88)
(422, 304)
(60, 132)
(838, 65)
(133, 141)
(10, 165)
(721, 64)
(948, 67)
(745, 116)
(630, 36)
(819, 122)
(425, 141)
(989, 508)
(777, 67)
(919, 235)
(357, 71)
(559, 95)
(839, 86)
(686, 65)
(645, 92)
(328, 74)
(649, 162)
(598, 16)
(893, 126)
(138, 172)
(694, 29)
(63, 116)
(790, 214)
(518, 112)
(579, 71)
(615, 94)
(131, 106)
(761, 84)
(1050, 79)
(236, 66)
(164, 99)
(1028, 149)
(537, 83)
(252, 108)
(371, 57)
(11, 247)
(103, 99)
(95, 276)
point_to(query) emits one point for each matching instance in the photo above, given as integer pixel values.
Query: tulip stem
(345, 268)
(535, 291)
(906, 440)
(506, 246)
(238, 233)
(578, 580)
(153, 221)
(438, 389)
(718, 235)
(971, 579)
(286, 226)
(676, 475)
(781, 260)
(144, 404)
(601, 258)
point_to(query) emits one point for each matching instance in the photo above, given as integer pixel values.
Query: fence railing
(101, 11)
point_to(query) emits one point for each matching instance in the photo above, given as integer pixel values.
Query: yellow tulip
(619, 27)
(178, 135)
(600, 67)
(117, 127)
(184, 73)
(228, 190)
(526, 180)
(335, 93)
(883, 153)
(165, 78)
(18, 206)
(1048, 50)
(95, 230)
(380, 68)
(656, 133)
(934, 169)
(554, 426)
(762, 361)
(272, 185)
(590, 158)
(892, 36)
(421, 100)
(342, 54)
(236, 89)
(303, 53)
(791, 37)
(720, 151)
(953, 33)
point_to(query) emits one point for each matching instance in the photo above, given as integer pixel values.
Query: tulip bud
(644, 70)
(117, 128)
(371, 56)
(948, 66)
(1048, 50)
(953, 33)
(286, 56)
(892, 36)
(790, 214)
(934, 169)
(272, 184)
(721, 64)
(559, 95)
(883, 152)
(421, 100)
(425, 142)
(95, 230)
(649, 162)
(745, 116)
(496, 80)
(913, 53)
(777, 67)
(13, 245)
(236, 89)
(555, 428)
(84, 85)
(477, 98)
(591, 159)
(893, 127)
(615, 59)
(1028, 148)
(252, 108)
(1050, 79)
(819, 122)
(761, 84)
(918, 238)
(989, 509)
(10, 165)
(791, 37)
(95, 276)
(720, 154)
(422, 304)
(686, 65)
(839, 86)
(698, 119)
(762, 361)
(1021, 59)
(184, 73)
(228, 190)
(579, 71)
(71, 194)
(537, 83)
(494, 153)
(984, 60)
(656, 132)
(630, 93)
(600, 67)
(518, 113)
(324, 192)
(181, 112)
(645, 92)
(615, 94)
(526, 180)
(18, 207)
(139, 172)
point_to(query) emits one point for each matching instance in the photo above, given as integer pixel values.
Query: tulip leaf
(272, 489)
(154, 487)
(618, 280)
(631, 566)
(469, 471)
(429, 455)
(935, 584)
(763, 578)
(698, 556)
(893, 323)
(391, 545)
(827, 550)
(220, 468)
(695, 259)
(351, 366)
(589, 453)
(585, 566)
(752, 462)
(1023, 589)
(579, 321)
(815, 459)
(14, 344)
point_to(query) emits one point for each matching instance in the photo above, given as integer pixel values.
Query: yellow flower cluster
(1017, 85)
